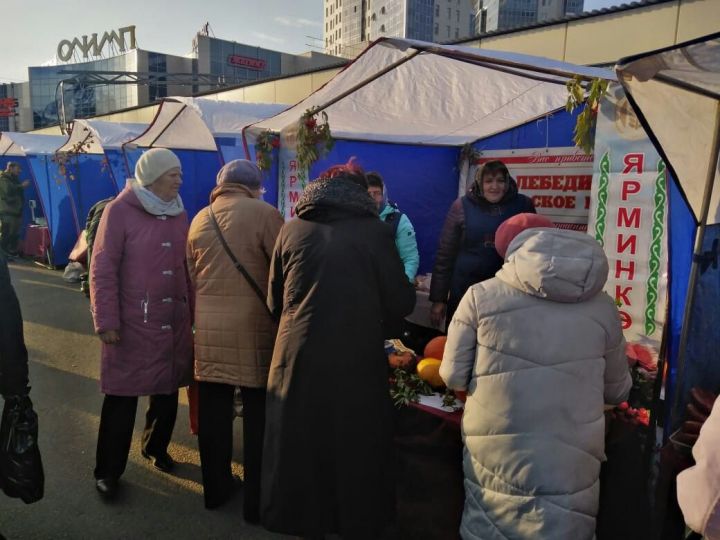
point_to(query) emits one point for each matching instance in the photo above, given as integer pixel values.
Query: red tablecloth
(453, 418)
(37, 241)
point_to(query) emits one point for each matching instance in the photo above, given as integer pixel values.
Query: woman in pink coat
(141, 311)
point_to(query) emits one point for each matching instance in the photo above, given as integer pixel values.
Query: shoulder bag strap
(237, 264)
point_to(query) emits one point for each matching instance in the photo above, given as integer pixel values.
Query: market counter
(430, 490)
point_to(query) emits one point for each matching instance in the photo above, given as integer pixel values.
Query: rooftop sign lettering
(93, 47)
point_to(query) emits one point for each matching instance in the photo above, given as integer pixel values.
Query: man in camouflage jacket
(12, 199)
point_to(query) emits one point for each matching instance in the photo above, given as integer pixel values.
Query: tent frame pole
(695, 269)
(367, 81)
(167, 126)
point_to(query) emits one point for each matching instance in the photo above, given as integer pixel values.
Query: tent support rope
(694, 270)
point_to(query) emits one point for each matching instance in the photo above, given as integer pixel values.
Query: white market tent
(405, 108)
(96, 136)
(24, 144)
(204, 133)
(676, 95)
(414, 92)
(186, 123)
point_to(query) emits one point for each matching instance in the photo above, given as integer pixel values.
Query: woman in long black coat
(336, 281)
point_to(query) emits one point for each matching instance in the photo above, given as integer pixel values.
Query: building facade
(350, 25)
(558, 9)
(493, 15)
(79, 89)
(76, 90)
(636, 28)
(236, 63)
(453, 19)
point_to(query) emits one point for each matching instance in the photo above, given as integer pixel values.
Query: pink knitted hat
(513, 226)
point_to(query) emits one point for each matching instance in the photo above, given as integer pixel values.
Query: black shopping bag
(21, 470)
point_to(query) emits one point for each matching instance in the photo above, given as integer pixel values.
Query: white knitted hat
(153, 164)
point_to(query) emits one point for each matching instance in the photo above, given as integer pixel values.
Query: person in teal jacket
(404, 232)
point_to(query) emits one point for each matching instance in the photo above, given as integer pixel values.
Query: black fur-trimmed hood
(324, 200)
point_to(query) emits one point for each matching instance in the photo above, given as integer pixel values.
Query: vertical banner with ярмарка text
(629, 218)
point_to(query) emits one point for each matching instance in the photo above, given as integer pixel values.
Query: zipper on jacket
(144, 306)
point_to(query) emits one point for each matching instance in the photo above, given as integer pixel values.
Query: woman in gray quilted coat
(540, 350)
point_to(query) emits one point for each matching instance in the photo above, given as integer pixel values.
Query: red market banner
(558, 180)
(629, 218)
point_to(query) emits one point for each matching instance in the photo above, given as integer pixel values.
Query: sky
(166, 26)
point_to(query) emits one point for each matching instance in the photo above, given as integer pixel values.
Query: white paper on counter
(435, 401)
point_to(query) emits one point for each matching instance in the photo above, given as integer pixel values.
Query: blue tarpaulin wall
(423, 180)
(58, 207)
(270, 177)
(89, 180)
(30, 191)
(200, 170)
(230, 148)
(67, 197)
(118, 167)
(701, 365)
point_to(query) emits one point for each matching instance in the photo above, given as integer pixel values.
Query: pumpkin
(435, 347)
(403, 360)
(428, 369)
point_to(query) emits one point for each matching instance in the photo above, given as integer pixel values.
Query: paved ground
(64, 368)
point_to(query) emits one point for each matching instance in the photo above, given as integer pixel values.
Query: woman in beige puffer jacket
(539, 349)
(234, 333)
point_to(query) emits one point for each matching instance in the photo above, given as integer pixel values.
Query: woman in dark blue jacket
(466, 252)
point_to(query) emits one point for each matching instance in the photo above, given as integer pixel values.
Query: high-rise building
(557, 9)
(494, 15)
(351, 24)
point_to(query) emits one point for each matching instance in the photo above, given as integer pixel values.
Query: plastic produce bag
(21, 470)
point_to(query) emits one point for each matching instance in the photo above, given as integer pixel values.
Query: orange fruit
(435, 347)
(428, 370)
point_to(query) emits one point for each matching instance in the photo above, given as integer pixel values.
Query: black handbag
(21, 470)
(255, 287)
